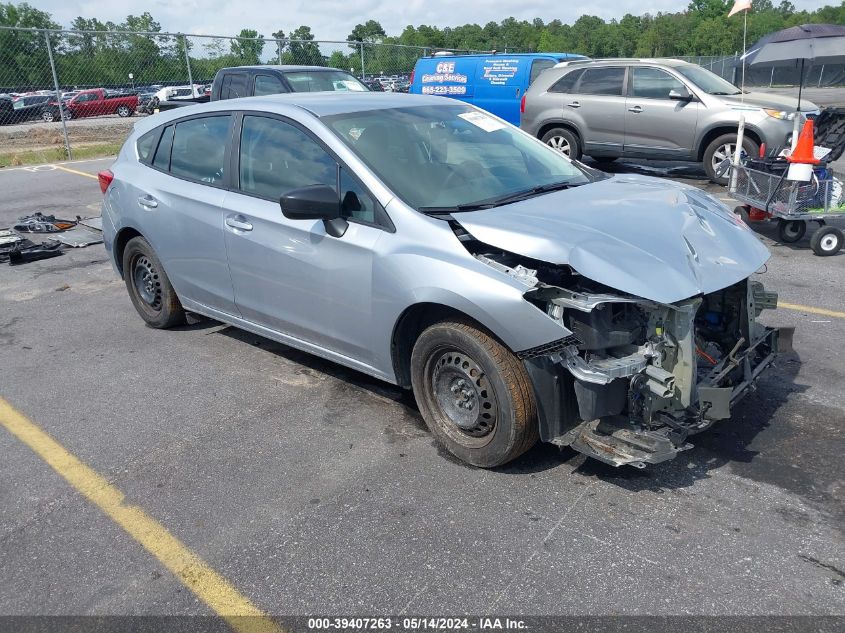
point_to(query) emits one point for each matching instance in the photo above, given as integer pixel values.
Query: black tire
(827, 241)
(474, 394)
(742, 212)
(563, 140)
(48, 116)
(718, 145)
(790, 231)
(149, 288)
(123, 111)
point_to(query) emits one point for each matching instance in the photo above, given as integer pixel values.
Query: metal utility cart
(767, 195)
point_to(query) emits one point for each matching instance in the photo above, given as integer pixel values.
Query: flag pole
(740, 132)
(744, 50)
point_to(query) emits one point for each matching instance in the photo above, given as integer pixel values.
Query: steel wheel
(561, 144)
(463, 393)
(827, 241)
(147, 282)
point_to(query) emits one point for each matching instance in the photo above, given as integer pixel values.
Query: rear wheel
(790, 231)
(123, 111)
(742, 212)
(149, 288)
(473, 393)
(564, 141)
(48, 116)
(826, 241)
(722, 149)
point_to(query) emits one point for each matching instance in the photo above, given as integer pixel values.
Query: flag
(740, 5)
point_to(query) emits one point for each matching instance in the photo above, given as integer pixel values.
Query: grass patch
(57, 154)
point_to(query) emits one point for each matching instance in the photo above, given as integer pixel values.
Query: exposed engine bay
(634, 378)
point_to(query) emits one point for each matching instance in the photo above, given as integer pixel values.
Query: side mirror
(680, 95)
(315, 202)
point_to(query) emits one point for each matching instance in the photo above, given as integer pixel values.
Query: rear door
(85, 104)
(656, 125)
(596, 105)
(180, 202)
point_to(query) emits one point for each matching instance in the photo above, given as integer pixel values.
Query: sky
(334, 19)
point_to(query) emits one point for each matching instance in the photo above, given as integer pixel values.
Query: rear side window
(602, 81)
(539, 66)
(146, 144)
(162, 155)
(567, 83)
(233, 86)
(199, 148)
(267, 85)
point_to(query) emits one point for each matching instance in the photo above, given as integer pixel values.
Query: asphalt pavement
(313, 489)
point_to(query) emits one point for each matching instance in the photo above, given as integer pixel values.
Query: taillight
(105, 178)
(522, 105)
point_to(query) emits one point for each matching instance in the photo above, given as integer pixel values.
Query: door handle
(574, 104)
(148, 201)
(238, 222)
(635, 109)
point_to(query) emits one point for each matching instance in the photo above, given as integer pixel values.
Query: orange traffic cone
(804, 149)
(802, 159)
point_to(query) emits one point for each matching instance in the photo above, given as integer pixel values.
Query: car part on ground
(27, 251)
(40, 223)
(519, 294)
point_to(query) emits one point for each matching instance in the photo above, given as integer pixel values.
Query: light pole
(132, 79)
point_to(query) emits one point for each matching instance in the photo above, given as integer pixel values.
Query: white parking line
(52, 166)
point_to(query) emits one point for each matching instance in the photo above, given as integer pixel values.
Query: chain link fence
(42, 70)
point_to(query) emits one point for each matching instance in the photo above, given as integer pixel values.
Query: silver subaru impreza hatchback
(521, 295)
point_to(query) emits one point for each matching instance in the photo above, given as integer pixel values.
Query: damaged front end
(634, 378)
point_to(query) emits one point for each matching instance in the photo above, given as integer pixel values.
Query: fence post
(58, 94)
(188, 64)
(772, 78)
(362, 60)
(279, 50)
(821, 74)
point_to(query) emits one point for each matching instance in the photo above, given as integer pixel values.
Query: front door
(290, 275)
(657, 125)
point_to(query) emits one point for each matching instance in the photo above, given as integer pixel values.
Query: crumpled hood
(767, 100)
(652, 238)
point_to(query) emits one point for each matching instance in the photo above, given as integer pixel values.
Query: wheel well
(561, 124)
(121, 239)
(408, 328)
(712, 134)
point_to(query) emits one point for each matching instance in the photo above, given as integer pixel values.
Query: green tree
(248, 47)
(303, 49)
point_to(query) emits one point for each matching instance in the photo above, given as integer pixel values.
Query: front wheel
(826, 241)
(474, 394)
(564, 141)
(722, 149)
(123, 111)
(149, 288)
(48, 116)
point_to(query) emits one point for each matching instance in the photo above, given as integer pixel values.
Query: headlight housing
(779, 114)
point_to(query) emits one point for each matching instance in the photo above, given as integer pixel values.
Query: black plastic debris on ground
(26, 251)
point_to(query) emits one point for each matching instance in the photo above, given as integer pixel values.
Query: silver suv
(662, 109)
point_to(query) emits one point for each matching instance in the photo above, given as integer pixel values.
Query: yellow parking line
(75, 171)
(194, 573)
(824, 311)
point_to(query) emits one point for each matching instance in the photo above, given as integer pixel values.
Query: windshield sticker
(498, 71)
(478, 119)
(443, 73)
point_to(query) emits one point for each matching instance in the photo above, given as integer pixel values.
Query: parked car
(97, 102)
(249, 81)
(429, 244)
(494, 82)
(21, 109)
(653, 108)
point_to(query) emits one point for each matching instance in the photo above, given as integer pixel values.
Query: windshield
(324, 81)
(446, 156)
(709, 82)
